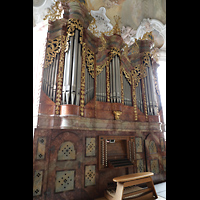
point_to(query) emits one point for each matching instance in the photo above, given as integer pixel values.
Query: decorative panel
(138, 142)
(90, 147)
(64, 181)
(164, 163)
(66, 151)
(140, 165)
(162, 144)
(154, 166)
(90, 175)
(152, 147)
(37, 182)
(41, 148)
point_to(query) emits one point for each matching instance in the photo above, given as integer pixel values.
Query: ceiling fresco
(131, 11)
(136, 17)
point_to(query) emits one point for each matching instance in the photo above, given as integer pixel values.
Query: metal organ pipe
(115, 83)
(78, 85)
(68, 69)
(101, 86)
(52, 79)
(104, 84)
(118, 84)
(55, 77)
(147, 96)
(111, 82)
(74, 69)
(49, 79)
(154, 99)
(114, 80)
(150, 93)
(64, 79)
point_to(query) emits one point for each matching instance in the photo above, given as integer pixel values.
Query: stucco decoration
(128, 35)
(102, 22)
(40, 9)
(158, 28)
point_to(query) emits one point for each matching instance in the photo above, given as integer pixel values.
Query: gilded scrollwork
(53, 47)
(72, 25)
(107, 81)
(90, 61)
(60, 76)
(134, 98)
(83, 80)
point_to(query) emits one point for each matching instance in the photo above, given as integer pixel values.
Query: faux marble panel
(90, 147)
(154, 166)
(140, 165)
(90, 175)
(37, 182)
(162, 144)
(138, 142)
(64, 181)
(66, 151)
(152, 147)
(164, 163)
(41, 148)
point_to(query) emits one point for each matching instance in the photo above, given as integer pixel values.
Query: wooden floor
(160, 190)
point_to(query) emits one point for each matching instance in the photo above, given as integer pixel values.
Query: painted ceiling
(132, 13)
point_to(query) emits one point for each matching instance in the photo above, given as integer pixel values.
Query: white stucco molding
(148, 25)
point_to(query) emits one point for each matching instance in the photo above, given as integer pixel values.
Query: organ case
(100, 110)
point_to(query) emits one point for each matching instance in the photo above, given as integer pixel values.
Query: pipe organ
(100, 114)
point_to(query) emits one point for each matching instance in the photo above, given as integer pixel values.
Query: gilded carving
(55, 12)
(60, 75)
(144, 100)
(83, 79)
(117, 114)
(107, 81)
(90, 62)
(53, 47)
(134, 98)
(73, 24)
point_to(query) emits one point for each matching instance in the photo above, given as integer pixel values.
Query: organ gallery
(100, 112)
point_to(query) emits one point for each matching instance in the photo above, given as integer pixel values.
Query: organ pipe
(78, 90)
(127, 92)
(101, 86)
(74, 68)
(68, 69)
(115, 83)
(111, 83)
(114, 80)
(150, 92)
(49, 79)
(55, 77)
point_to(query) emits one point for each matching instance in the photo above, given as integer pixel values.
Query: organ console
(100, 113)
